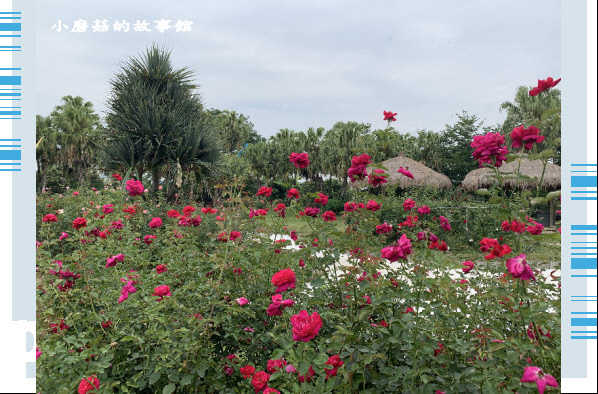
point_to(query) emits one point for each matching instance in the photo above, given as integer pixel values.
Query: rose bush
(378, 307)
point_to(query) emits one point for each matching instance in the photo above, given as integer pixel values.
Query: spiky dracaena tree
(157, 117)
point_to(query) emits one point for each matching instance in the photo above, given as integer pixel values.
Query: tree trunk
(44, 176)
(344, 186)
(79, 172)
(155, 180)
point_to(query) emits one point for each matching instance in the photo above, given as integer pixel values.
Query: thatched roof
(477, 179)
(423, 176)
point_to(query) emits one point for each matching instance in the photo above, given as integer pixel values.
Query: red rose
(373, 206)
(490, 149)
(247, 371)
(299, 160)
(284, 280)
(390, 116)
(135, 188)
(259, 381)
(188, 209)
(293, 193)
(91, 383)
(264, 191)
(275, 365)
(312, 211)
(161, 268)
(173, 214)
(329, 216)
(155, 223)
(234, 235)
(405, 172)
(306, 327)
(50, 218)
(162, 291)
(79, 223)
(322, 199)
(544, 84)
(281, 209)
(526, 137)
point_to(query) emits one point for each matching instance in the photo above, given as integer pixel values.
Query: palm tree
(77, 125)
(341, 143)
(46, 150)
(234, 129)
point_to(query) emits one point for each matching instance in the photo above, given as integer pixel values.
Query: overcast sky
(311, 63)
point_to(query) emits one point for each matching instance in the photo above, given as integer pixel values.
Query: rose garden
(146, 285)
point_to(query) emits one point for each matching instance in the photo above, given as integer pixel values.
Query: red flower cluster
(135, 188)
(322, 199)
(390, 116)
(489, 148)
(258, 212)
(526, 137)
(377, 177)
(162, 291)
(383, 228)
(284, 280)
(91, 383)
(405, 172)
(155, 223)
(373, 206)
(401, 250)
(278, 304)
(281, 209)
(493, 246)
(357, 171)
(329, 216)
(50, 218)
(299, 160)
(264, 191)
(336, 363)
(408, 205)
(79, 223)
(259, 381)
(293, 193)
(515, 226)
(306, 327)
(544, 84)
(468, 266)
(312, 211)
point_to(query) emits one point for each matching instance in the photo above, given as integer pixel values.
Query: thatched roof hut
(477, 179)
(423, 176)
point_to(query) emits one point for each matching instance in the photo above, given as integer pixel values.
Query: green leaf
(489, 387)
(155, 377)
(483, 192)
(495, 200)
(538, 200)
(549, 112)
(277, 354)
(169, 388)
(468, 371)
(187, 380)
(552, 195)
